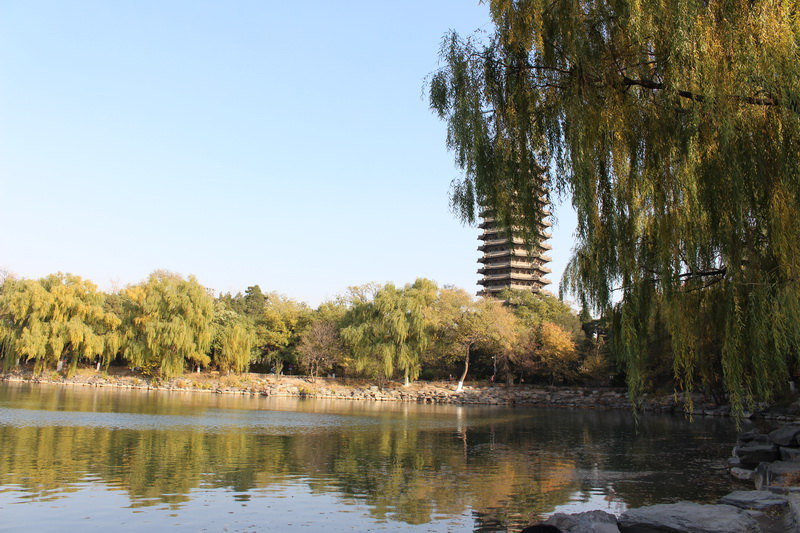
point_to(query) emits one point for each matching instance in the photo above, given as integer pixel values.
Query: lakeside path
(432, 392)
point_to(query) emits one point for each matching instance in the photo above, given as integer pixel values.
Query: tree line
(169, 324)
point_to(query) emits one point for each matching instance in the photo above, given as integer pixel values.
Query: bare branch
(657, 86)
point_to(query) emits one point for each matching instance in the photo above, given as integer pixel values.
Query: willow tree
(168, 322)
(233, 340)
(58, 319)
(675, 129)
(389, 332)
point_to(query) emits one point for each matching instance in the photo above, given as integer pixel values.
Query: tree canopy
(320, 347)
(233, 341)
(168, 323)
(461, 324)
(55, 319)
(279, 326)
(675, 129)
(389, 332)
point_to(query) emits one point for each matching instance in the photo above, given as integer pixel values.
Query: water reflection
(398, 465)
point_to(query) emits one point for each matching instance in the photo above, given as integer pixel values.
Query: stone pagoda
(508, 263)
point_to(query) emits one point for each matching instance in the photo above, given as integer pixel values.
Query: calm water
(100, 458)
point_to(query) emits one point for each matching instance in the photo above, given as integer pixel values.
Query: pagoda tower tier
(509, 262)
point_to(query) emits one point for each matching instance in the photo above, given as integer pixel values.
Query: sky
(283, 144)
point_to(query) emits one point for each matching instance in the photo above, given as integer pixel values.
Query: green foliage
(168, 321)
(332, 311)
(675, 129)
(462, 324)
(391, 330)
(279, 321)
(388, 332)
(278, 327)
(535, 308)
(162, 324)
(252, 303)
(60, 317)
(233, 341)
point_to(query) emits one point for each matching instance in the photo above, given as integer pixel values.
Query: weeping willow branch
(663, 196)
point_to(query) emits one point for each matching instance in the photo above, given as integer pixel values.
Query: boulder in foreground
(773, 512)
(785, 435)
(688, 517)
(588, 522)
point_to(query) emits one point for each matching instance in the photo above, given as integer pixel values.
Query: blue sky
(283, 144)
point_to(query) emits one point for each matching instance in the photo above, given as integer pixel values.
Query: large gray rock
(687, 517)
(751, 455)
(777, 474)
(771, 511)
(588, 522)
(753, 438)
(786, 435)
(756, 500)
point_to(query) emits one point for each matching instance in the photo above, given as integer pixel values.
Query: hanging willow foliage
(675, 129)
(233, 341)
(168, 321)
(389, 332)
(57, 318)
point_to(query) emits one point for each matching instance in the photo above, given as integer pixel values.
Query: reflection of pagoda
(508, 263)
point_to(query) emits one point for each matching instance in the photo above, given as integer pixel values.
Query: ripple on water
(269, 422)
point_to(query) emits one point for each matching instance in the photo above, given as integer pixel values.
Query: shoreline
(427, 392)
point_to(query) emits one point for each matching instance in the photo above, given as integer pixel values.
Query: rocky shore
(737, 512)
(770, 460)
(434, 392)
(441, 392)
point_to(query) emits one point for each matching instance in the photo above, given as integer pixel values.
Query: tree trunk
(460, 385)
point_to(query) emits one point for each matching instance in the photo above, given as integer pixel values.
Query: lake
(100, 458)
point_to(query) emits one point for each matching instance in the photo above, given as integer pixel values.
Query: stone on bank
(773, 512)
(689, 517)
(738, 512)
(588, 522)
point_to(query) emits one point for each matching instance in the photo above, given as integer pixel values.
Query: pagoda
(508, 262)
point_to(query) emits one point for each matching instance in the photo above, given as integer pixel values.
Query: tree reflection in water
(407, 463)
